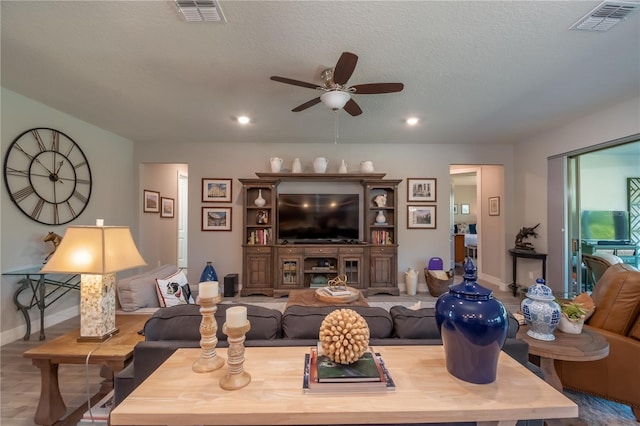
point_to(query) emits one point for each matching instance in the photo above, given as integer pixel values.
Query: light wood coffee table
(425, 392)
(113, 354)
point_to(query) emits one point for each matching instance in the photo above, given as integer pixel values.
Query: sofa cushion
(303, 322)
(414, 324)
(182, 322)
(139, 291)
(617, 299)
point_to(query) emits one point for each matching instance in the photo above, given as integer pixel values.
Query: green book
(366, 369)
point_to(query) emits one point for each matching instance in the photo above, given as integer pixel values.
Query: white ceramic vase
(296, 167)
(276, 164)
(320, 164)
(260, 202)
(343, 167)
(411, 281)
(366, 167)
(380, 217)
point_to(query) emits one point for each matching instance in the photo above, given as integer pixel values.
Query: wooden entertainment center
(273, 268)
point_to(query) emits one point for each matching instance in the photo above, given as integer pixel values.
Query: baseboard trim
(17, 333)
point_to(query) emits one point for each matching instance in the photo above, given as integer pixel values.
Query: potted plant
(572, 318)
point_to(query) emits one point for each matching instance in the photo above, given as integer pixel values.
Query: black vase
(473, 326)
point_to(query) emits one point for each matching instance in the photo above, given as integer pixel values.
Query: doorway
(183, 219)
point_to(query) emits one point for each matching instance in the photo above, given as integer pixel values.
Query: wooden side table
(586, 346)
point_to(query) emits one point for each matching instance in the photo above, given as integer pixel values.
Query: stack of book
(337, 291)
(99, 415)
(367, 375)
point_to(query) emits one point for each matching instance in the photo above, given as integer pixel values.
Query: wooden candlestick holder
(236, 377)
(209, 359)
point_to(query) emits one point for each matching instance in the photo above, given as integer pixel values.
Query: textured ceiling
(474, 71)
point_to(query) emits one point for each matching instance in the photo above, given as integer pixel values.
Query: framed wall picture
(216, 190)
(455, 209)
(216, 218)
(421, 189)
(494, 206)
(150, 201)
(421, 217)
(465, 208)
(166, 207)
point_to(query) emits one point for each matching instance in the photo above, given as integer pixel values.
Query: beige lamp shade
(95, 250)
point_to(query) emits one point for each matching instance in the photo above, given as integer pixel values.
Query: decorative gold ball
(344, 336)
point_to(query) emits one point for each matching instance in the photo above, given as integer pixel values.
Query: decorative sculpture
(524, 234)
(344, 336)
(380, 200)
(337, 282)
(55, 239)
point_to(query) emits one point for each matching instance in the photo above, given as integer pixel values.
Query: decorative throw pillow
(173, 290)
(463, 228)
(472, 228)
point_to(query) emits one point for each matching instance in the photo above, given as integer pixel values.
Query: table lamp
(96, 252)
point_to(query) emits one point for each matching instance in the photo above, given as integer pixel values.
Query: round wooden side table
(586, 346)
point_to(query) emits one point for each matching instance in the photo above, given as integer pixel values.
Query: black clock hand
(43, 166)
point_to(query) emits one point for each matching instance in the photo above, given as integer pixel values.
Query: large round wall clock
(47, 176)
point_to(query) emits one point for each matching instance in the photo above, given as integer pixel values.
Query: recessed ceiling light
(243, 119)
(412, 121)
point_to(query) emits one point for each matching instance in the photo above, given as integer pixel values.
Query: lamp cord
(86, 376)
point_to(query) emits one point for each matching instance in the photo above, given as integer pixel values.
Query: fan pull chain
(335, 141)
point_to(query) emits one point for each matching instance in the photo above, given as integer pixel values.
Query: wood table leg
(550, 375)
(51, 406)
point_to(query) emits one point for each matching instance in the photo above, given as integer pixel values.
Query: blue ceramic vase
(209, 273)
(473, 326)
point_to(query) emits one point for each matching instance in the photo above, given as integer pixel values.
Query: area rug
(601, 412)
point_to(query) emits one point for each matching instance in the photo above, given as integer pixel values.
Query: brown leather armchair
(617, 317)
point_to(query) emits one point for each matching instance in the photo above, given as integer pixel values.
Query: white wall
(111, 160)
(398, 161)
(531, 155)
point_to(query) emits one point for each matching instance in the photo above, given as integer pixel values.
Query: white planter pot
(570, 326)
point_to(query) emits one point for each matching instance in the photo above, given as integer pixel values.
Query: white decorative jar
(411, 281)
(540, 311)
(343, 167)
(320, 164)
(276, 164)
(380, 219)
(366, 167)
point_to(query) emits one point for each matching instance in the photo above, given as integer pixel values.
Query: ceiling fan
(337, 95)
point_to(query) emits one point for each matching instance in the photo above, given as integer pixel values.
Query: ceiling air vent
(605, 16)
(201, 10)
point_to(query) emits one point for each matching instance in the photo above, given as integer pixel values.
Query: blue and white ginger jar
(540, 311)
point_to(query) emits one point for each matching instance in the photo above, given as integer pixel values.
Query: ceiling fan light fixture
(335, 99)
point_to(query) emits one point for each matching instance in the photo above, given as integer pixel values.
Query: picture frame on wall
(216, 218)
(455, 209)
(167, 207)
(494, 206)
(422, 189)
(421, 217)
(464, 208)
(150, 201)
(216, 190)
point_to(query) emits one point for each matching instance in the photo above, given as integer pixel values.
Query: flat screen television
(605, 225)
(318, 217)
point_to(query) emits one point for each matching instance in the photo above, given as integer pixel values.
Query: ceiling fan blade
(344, 68)
(295, 82)
(352, 108)
(307, 104)
(374, 88)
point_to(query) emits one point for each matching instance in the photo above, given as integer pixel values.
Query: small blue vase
(473, 326)
(209, 273)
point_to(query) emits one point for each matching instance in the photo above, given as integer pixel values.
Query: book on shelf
(100, 411)
(311, 385)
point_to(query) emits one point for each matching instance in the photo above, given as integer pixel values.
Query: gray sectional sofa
(178, 327)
